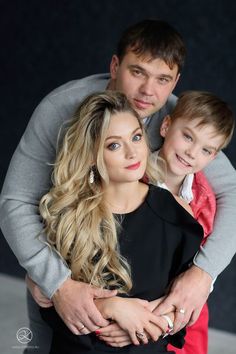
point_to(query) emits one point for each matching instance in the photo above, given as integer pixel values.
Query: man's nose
(147, 86)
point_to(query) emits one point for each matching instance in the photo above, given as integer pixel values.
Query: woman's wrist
(106, 306)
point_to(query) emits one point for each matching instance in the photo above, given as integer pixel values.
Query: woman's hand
(134, 317)
(38, 296)
(114, 335)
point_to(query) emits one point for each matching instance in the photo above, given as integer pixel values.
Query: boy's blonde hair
(210, 109)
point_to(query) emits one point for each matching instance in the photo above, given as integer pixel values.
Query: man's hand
(37, 294)
(74, 303)
(188, 292)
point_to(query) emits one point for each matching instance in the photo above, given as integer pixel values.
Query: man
(146, 68)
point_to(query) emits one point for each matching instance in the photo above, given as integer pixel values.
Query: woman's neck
(125, 197)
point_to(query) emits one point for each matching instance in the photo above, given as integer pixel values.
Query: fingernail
(97, 332)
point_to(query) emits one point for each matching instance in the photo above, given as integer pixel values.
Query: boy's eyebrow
(119, 137)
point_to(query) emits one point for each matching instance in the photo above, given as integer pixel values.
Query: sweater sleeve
(27, 179)
(220, 247)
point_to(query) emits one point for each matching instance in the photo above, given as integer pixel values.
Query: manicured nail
(97, 332)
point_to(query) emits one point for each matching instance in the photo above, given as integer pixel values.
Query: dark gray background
(46, 43)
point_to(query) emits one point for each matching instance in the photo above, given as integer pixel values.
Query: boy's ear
(165, 126)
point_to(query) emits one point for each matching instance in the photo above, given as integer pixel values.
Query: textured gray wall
(45, 44)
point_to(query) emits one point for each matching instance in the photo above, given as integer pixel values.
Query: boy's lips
(134, 166)
(182, 161)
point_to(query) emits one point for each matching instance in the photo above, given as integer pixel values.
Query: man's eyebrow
(143, 70)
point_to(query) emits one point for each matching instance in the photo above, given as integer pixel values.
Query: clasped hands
(74, 302)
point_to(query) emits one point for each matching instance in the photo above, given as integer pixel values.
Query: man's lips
(182, 161)
(134, 166)
(141, 104)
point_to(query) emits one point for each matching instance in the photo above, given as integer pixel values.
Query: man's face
(146, 83)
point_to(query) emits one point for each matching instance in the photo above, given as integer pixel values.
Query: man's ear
(114, 65)
(165, 126)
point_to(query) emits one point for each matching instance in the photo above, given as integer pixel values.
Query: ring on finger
(181, 310)
(170, 326)
(140, 335)
(82, 327)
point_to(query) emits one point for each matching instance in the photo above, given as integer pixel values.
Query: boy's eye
(113, 146)
(137, 137)
(206, 151)
(187, 137)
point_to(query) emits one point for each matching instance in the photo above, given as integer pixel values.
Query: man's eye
(136, 72)
(113, 146)
(163, 80)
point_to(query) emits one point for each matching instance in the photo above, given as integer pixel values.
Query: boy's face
(146, 83)
(187, 147)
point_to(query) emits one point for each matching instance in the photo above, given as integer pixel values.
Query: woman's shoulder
(162, 203)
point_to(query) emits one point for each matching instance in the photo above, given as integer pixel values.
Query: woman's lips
(134, 166)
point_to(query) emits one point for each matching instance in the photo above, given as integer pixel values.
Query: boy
(198, 128)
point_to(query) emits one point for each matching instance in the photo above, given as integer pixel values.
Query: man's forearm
(43, 264)
(28, 179)
(220, 246)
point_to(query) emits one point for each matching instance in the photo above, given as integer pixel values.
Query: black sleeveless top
(159, 239)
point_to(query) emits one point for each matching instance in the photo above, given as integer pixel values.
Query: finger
(116, 333)
(133, 337)
(108, 329)
(45, 305)
(180, 321)
(72, 328)
(120, 345)
(153, 332)
(193, 318)
(114, 339)
(165, 306)
(159, 322)
(88, 322)
(84, 331)
(141, 336)
(92, 318)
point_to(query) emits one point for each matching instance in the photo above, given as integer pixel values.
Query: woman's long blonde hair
(76, 219)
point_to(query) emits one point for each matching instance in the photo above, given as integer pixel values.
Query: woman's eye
(137, 137)
(113, 146)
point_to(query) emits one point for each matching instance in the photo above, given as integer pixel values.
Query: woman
(113, 230)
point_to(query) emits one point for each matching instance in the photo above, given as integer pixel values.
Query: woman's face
(125, 149)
